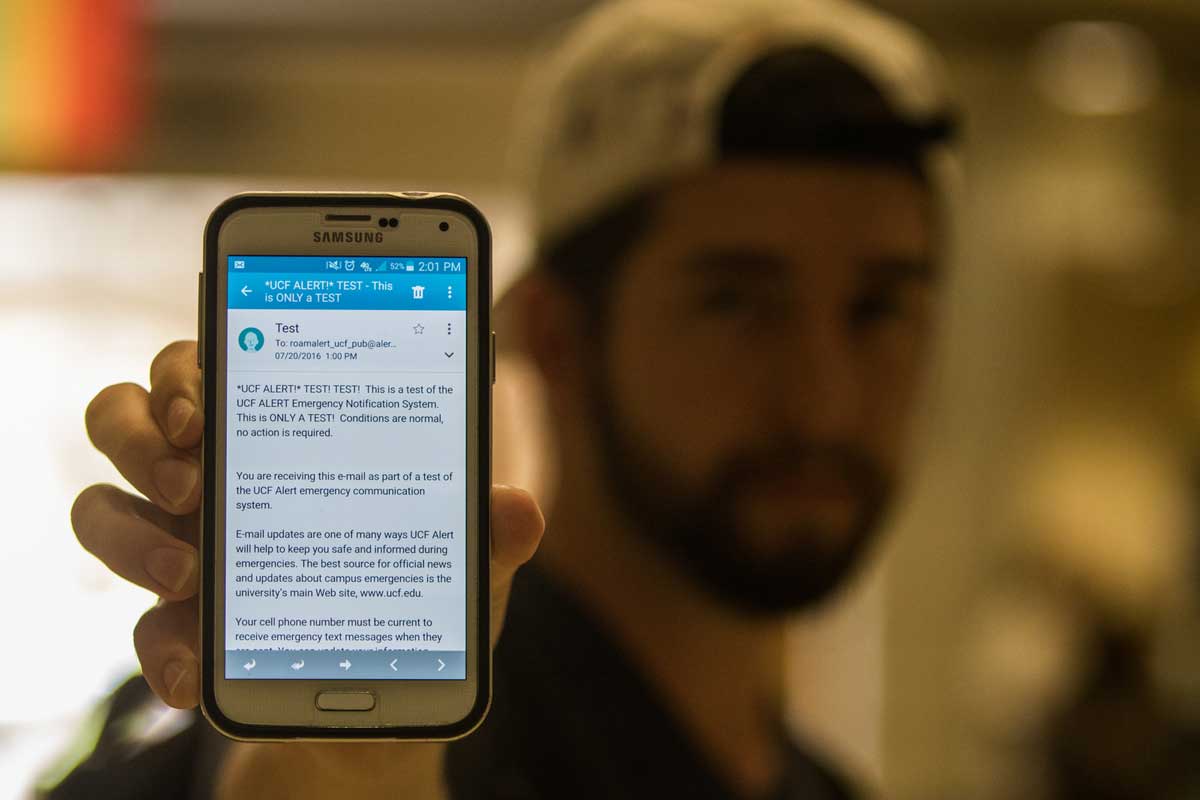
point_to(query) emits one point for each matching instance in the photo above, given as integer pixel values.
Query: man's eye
(724, 299)
(877, 306)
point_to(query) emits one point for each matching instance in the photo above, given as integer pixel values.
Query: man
(736, 210)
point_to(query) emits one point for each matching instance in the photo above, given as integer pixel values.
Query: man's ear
(549, 322)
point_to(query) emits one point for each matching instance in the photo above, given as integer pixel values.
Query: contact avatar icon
(251, 339)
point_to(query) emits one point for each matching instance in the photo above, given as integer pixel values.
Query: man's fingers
(134, 540)
(175, 399)
(166, 639)
(517, 527)
(121, 426)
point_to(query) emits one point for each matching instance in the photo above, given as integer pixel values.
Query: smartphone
(348, 360)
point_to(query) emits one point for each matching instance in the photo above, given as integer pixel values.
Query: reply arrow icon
(249, 665)
(298, 664)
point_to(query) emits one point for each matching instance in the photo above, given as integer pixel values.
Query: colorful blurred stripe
(69, 82)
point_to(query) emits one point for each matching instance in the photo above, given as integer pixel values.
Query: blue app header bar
(364, 283)
(349, 265)
(389, 292)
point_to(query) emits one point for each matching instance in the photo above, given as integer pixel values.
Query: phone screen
(345, 473)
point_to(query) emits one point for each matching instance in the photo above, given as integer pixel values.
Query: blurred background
(1031, 630)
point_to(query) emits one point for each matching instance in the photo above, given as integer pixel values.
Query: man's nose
(819, 384)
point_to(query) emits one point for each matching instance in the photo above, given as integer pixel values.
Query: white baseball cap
(634, 93)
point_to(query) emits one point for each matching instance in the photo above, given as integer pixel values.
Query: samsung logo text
(320, 237)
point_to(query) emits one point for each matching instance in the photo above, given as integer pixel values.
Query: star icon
(418, 328)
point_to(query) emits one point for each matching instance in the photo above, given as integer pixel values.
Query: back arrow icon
(298, 664)
(345, 664)
(441, 665)
(393, 665)
(246, 290)
(249, 665)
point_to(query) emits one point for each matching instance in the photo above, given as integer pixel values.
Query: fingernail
(175, 479)
(179, 414)
(170, 566)
(173, 674)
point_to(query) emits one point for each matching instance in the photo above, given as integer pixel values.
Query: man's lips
(807, 488)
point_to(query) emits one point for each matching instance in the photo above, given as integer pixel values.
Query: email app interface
(345, 469)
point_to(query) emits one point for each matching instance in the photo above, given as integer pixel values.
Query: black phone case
(208, 355)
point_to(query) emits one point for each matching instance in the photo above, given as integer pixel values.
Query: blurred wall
(1056, 487)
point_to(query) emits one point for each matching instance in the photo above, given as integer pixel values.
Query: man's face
(759, 362)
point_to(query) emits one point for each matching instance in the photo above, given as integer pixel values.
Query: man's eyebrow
(900, 269)
(736, 260)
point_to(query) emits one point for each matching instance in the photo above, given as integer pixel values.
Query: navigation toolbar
(364, 664)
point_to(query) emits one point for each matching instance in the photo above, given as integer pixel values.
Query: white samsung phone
(348, 362)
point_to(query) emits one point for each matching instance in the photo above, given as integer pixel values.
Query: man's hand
(153, 438)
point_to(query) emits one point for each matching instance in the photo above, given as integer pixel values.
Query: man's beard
(698, 530)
